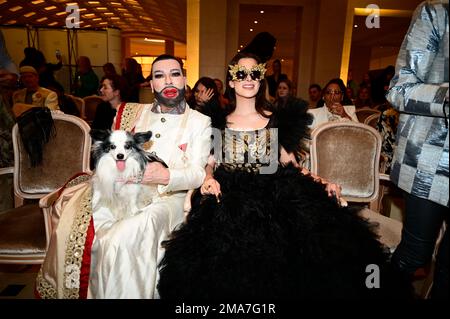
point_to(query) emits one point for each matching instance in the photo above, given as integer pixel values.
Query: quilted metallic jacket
(419, 90)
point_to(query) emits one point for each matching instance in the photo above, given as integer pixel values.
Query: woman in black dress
(260, 230)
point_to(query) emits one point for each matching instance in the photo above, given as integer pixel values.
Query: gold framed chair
(25, 230)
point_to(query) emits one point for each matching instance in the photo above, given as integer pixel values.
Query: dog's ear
(99, 135)
(142, 137)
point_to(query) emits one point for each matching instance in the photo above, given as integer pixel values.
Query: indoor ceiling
(155, 18)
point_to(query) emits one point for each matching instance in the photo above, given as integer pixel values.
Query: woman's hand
(211, 187)
(338, 109)
(286, 158)
(333, 190)
(205, 96)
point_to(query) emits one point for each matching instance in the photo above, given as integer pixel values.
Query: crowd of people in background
(334, 101)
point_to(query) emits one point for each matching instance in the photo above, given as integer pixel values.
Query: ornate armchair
(25, 230)
(348, 153)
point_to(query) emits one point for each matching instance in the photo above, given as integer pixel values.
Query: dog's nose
(120, 156)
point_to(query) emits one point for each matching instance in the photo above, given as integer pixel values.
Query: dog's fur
(120, 162)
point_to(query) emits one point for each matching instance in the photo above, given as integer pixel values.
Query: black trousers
(423, 221)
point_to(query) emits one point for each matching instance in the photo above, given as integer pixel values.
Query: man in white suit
(119, 258)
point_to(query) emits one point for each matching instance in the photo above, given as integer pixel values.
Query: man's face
(314, 94)
(168, 82)
(30, 80)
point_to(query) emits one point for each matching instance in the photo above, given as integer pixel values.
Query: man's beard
(170, 102)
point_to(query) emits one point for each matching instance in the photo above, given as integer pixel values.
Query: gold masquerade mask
(240, 73)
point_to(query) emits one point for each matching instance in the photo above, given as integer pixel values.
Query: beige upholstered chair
(25, 230)
(348, 153)
(364, 112)
(90, 107)
(79, 102)
(372, 120)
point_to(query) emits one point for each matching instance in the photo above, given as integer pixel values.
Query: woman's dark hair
(288, 83)
(262, 104)
(281, 101)
(109, 66)
(342, 87)
(212, 107)
(209, 84)
(118, 83)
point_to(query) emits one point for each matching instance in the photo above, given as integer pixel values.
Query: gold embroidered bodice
(247, 150)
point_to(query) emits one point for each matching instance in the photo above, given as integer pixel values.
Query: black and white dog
(120, 162)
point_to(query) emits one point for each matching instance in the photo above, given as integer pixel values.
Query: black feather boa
(292, 122)
(277, 237)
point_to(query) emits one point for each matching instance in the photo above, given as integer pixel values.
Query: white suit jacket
(187, 154)
(321, 115)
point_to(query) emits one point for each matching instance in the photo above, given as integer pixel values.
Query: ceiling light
(61, 13)
(155, 40)
(93, 2)
(37, 1)
(11, 22)
(29, 14)
(262, 11)
(102, 8)
(41, 19)
(255, 22)
(355, 25)
(50, 8)
(16, 8)
(251, 30)
(72, 4)
(52, 24)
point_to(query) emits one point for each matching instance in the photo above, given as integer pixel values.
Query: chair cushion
(22, 230)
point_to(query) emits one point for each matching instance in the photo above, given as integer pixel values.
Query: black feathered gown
(272, 236)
